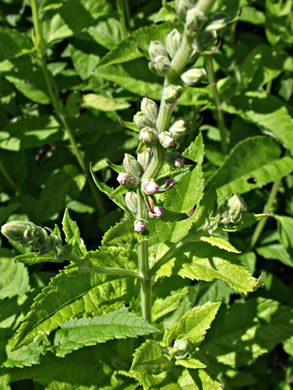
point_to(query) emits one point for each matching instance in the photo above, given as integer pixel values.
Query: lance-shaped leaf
(193, 325)
(121, 233)
(102, 103)
(69, 295)
(32, 258)
(81, 332)
(72, 234)
(201, 261)
(252, 163)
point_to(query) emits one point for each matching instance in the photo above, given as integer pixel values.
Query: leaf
(267, 112)
(120, 233)
(32, 258)
(13, 43)
(66, 180)
(27, 133)
(77, 333)
(72, 235)
(102, 103)
(107, 33)
(134, 77)
(14, 278)
(275, 252)
(84, 62)
(201, 261)
(220, 243)
(71, 294)
(188, 191)
(251, 164)
(285, 229)
(193, 325)
(127, 50)
(250, 329)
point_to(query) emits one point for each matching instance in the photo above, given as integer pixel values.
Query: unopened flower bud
(150, 109)
(173, 41)
(131, 201)
(192, 76)
(236, 207)
(182, 6)
(158, 211)
(161, 65)
(181, 349)
(166, 139)
(219, 21)
(172, 93)
(148, 136)
(131, 165)
(175, 160)
(141, 120)
(149, 186)
(180, 127)
(144, 158)
(139, 226)
(165, 184)
(195, 19)
(156, 48)
(127, 180)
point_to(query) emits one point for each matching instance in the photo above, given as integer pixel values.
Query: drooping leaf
(77, 333)
(193, 325)
(253, 163)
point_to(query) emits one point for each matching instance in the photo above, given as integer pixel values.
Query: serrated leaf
(106, 33)
(77, 333)
(201, 261)
(14, 278)
(190, 363)
(252, 163)
(164, 306)
(250, 329)
(126, 50)
(102, 103)
(220, 243)
(134, 77)
(120, 233)
(275, 252)
(13, 43)
(69, 295)
(193, 325)
(149, 358)
(266, 112)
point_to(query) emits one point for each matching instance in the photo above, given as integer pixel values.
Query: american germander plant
(140, 284)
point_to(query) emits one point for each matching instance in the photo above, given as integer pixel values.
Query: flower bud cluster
(30, 235)
(133, 170)
(169, 139)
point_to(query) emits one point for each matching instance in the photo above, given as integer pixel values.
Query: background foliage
(102, 76)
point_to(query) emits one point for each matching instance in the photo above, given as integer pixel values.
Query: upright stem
(260, 226)
(143, 265)
(123, 10)
(220, 115)
(9, 179)
(57, 104)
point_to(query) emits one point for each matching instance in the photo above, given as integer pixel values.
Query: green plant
(130, 313)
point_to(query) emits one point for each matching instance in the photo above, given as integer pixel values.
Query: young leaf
(121, 233)
(193, 325)
(31, 258)
(72, 235)
(220, 243)
(253, 163)
(77, 333)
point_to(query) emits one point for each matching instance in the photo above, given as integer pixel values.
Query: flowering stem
(143, 265)
(216, 97)
(260, 226)
(57, 104)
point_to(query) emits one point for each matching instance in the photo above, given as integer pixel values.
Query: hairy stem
(143, 265)
(260, 226)
(57, 104)
(216, 97)
(123, 11)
